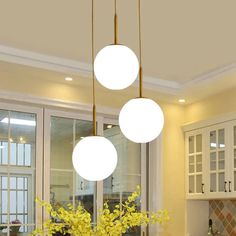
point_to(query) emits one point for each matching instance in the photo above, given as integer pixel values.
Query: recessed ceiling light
(181, 100)
(68, 79)
(109, 126)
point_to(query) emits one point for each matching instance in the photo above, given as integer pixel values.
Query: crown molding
(42, 61)
(52, 102)
(210, 76)
(67, 66)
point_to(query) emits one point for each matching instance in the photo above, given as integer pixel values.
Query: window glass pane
(23, 131)
(199, 163)
(4, 219)
(26, 183)
(12, 218)
(13, 154)
(61, 143)
(20, 183)
(191, 144)
(4, 136)
(13, 202)
(199, 143)
(4, 153)
(27, 154)
(191, 184)
(221, 160)
(213, 182)
(127, 175)
(20, 154)
(213, 161)
(4, 202)
(25, 202)
(4, 182)
(191, 164)
(213, 140)
(20, 202)
(13, 182)
(221, 182)
(199, 183)
(61, 188)
(221, 138)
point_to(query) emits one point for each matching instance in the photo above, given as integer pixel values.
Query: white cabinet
(218, 160)
(195, 159)
(211, 161)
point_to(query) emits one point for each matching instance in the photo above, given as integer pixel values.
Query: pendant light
(116, 66)
(94, 157)
(141, 119)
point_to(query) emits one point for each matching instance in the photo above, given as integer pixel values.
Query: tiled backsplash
(223, 215)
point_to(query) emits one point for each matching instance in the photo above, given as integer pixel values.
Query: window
(18, 170)
(24, 140)
(63, 130)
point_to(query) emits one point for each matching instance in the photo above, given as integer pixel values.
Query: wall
(173, 145)
(216, 105)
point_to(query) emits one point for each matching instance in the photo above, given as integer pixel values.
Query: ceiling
(188, 47)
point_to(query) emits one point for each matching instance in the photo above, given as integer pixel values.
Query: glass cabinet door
(217, 165)
(195, 164)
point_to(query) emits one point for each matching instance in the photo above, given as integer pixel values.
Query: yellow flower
(77, 221)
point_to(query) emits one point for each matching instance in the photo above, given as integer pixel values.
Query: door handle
(229, 186)
(225, 186)
(203, 188)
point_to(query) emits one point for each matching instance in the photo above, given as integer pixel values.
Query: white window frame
(37, 188)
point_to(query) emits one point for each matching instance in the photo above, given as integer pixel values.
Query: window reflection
(127, 175)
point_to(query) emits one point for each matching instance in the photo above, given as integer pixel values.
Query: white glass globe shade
(94, 158)
(141, 120)
(116, 67)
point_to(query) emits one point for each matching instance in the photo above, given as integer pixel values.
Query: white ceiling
(189, 47)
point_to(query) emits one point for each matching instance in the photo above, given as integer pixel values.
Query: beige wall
(213, 106)
(173, 164)
(173, 176)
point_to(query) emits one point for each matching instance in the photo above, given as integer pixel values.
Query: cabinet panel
(194, 163)
(217, 148)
